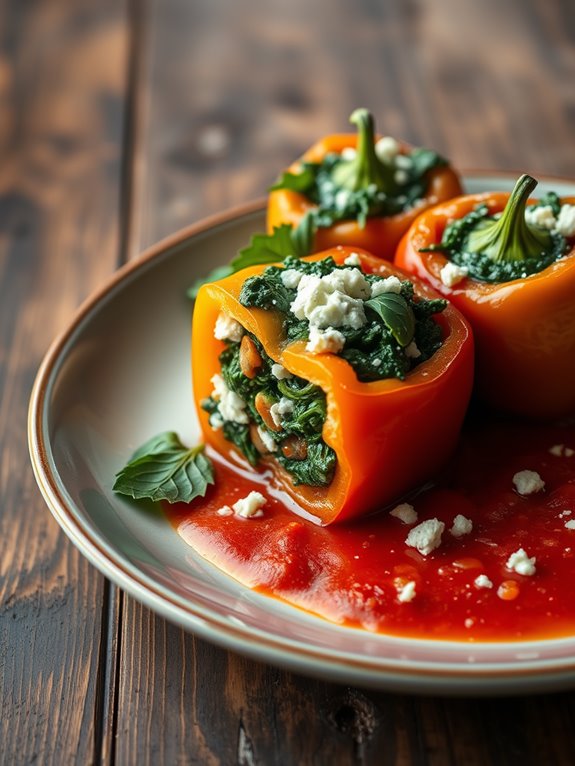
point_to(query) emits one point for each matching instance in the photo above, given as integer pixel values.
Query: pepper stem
(511, 238)
(365, 169)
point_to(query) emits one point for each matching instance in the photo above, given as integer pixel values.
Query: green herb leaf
(163, 469)
(397, 315)
(300, 182)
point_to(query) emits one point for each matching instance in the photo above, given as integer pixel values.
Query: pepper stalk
(365, 169)
(510, 237)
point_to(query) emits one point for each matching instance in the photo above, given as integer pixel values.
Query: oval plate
(119, 374)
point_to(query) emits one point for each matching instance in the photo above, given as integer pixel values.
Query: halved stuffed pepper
(343, 380)
(361, 190)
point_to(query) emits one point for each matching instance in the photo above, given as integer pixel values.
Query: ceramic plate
(120, 374)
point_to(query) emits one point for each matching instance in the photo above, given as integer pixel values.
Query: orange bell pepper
(524, 329)
(381, 234)
(389, 435)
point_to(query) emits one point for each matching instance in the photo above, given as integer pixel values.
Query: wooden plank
(231, 93)
(62, 82)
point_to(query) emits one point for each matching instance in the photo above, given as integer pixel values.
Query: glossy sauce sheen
(352, 574)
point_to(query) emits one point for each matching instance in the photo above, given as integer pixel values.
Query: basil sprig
(164, 469)
(397, 315)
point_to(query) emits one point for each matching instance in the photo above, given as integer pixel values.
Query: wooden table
(120, 122)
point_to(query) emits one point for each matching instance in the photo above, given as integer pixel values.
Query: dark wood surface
(119, 123)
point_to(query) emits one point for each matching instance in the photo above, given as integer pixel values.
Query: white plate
(120, 374)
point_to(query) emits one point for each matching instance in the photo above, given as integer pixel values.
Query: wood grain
(62, 83)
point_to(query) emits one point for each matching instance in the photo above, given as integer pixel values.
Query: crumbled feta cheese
(469, 622)
(291, 278)
(557, 450)
(568, 452)
(376, 362)
(405, 512)
(426, 536)
(250, 506)
(566, 221)
(403, 161)
(227, 328)
(281, 408)
(334, 300)
(570, 524)
(328, 341)
(230, 405)
(452, 274)
(387, 149)
(401, 177)
(280, 373)
(348, 153)
(225, 510)
(528, 482)
(461, 526)
(388, 285)
(406, 593)
(216, 421)
(267, 439)
(342, 198)
(564, 513)
(521, 563)
(482, 581)
(541, 216)
(353, 259)
(411, 351)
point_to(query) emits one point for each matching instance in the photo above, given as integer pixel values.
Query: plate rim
(376, 671)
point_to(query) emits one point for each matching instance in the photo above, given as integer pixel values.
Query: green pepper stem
(365, 168)
(511, 238)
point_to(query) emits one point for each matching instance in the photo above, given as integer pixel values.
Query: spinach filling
(399, 332)
(296, 442)
(503, 247)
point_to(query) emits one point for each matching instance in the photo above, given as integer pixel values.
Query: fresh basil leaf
(163, 469)
(397, 315)
(299, 182)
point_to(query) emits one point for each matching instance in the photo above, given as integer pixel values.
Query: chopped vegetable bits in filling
(264, 410)
(375, 323)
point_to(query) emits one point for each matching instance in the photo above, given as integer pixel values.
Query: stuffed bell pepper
(334, 374)
(361, 191)
(507, 262)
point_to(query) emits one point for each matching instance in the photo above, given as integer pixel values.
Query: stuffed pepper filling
(521, 240)
(377, 179)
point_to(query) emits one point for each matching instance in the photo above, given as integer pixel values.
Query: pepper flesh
(389, 435)
(524, 329)
(381, 234)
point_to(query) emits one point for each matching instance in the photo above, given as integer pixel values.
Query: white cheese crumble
(387, 149)
(267, 439)
(251, 506)
(388, 285)
(227, 328)
(281, 408)
(353, 259)
(216, 420)
(560, 450)
(566, 221)
(348, 153)
(528, 482)
(461, 526)
(327, 341)
(570, 524)
(230, 405)
(541, 216)
(405, 512)
(406, 593)
(334, 300)
(452, 274)
(225, 510)
(482, 581)
(521, 563)
(280, 373)
(291, 278)
(411, 351)
(401, 177)
(426, 537)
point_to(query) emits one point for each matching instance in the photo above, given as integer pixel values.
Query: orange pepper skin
(381, 235)
(389, 435)
(524, 329)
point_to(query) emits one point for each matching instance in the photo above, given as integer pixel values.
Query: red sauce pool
(352, 574)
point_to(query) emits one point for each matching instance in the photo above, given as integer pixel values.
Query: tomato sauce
(353, 574)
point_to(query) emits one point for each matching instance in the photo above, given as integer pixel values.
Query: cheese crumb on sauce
(281, 408)
(461, 526)
(570, 524)
(528, 482)
(451, 274)
(482, 581)
(521, 563)
(353, 259)
(225, 510)
(328, 341)
(226, 328)
(560, 450)
(405, 512)
(230, 405)
(426, 537)
(406, 593)
(251, 506)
